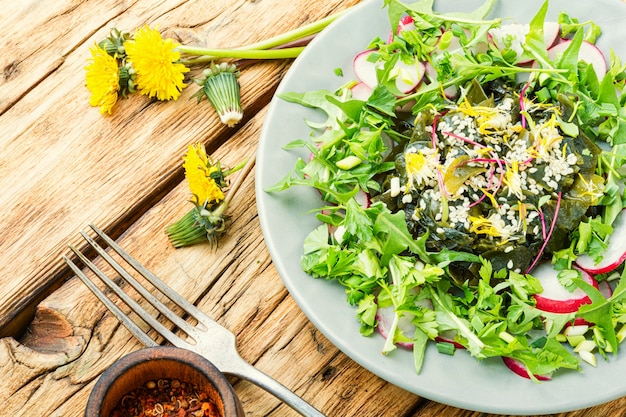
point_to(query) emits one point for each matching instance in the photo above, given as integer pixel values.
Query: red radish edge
(365, 69)
(384, 318)
(448, 337)
(361, 91)
(405, 23)
(615, 253)
(520, 369)
(551, 31)
(555, 298)
(588, 53)
(408, 75)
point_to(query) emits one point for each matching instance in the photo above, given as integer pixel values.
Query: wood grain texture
(63, 165)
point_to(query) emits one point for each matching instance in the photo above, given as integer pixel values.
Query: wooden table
(63, 165)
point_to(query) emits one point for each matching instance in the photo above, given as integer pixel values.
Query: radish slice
(605, 289)
(405, 23)
(615, 253)
(447, 336)
(588, 53)
(385, 316)
(520, 369)
(555, 298)
(362, 198)
(455, 42)
(365, 69)
(431, 73)
(517, 33)
(408, 75)
(361, 91)
(551, 31)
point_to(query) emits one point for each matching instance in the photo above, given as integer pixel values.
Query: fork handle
(269, 384)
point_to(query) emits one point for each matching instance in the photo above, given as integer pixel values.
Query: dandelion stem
(240, 177)
(301, 32)
(209, 54)
(272, 48)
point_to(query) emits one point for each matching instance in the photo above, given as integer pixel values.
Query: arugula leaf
(535, 40)
(598, 312)
(317, 100)
(366, 313)
(396, 237)
(444, 306)
(420, 340)
(546, 360)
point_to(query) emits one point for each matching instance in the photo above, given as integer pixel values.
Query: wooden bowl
(162, 362)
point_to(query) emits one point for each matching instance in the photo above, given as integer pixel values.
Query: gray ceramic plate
(286, 219)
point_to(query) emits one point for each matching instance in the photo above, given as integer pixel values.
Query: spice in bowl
(166, 398)
(163, 381)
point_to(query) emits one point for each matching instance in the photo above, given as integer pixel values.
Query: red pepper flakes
(166, 398)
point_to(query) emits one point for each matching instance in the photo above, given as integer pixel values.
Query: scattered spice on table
(166, 398)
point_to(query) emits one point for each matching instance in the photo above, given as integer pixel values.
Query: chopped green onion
(446, 348)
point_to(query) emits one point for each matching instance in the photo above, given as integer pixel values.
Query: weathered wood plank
(52, 368)
(78, 153)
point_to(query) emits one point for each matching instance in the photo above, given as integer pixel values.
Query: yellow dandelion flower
(493, 226)
(421, 167)
(102, 79)
(199, 172)
(155, 62)
(513, 180)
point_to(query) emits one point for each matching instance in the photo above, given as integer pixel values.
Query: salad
(472, 180)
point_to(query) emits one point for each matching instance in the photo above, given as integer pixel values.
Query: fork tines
(133, 327)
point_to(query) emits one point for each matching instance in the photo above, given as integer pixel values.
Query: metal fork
(207, 337)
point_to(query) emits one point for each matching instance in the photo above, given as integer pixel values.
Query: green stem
(241, 53)
(261, 50)
(245, 170)
(240, 177)
(298, 33)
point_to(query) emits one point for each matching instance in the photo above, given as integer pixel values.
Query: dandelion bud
(114, 43)
(127, 80)
(221, 88)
